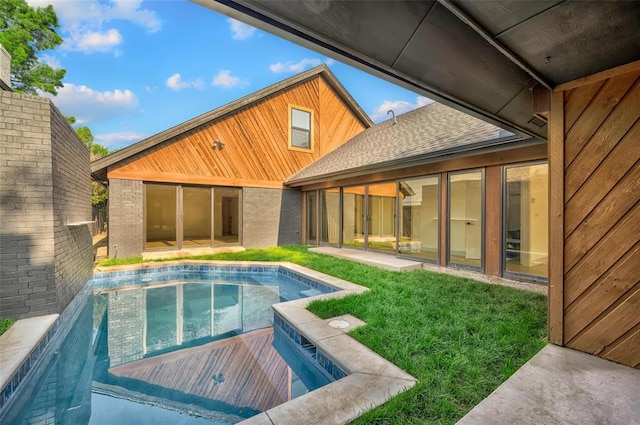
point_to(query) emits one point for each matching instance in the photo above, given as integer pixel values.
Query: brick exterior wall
(125, 218)
(71, 204)
(271, 217)
(34, 179)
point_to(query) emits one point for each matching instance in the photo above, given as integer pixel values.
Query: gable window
(300, 128)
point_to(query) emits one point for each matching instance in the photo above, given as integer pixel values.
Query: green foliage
(25, 32)
(5, 324)
(99, 194)
(119, 261)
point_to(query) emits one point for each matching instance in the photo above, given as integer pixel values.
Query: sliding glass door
(161, 216)
(420, 217)
(353, 216)
(526, 220)
(196, 215)
(465, 221)
(179, 217)
(329, 216)
(381, 215)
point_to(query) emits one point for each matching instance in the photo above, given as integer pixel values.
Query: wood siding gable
(256, 149)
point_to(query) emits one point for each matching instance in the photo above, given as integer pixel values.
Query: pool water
(176, 348)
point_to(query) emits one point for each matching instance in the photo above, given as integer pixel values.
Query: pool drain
(339, 324)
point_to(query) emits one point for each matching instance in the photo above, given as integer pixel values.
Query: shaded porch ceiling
(480, 57)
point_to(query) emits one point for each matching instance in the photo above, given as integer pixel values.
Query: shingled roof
(429, 132)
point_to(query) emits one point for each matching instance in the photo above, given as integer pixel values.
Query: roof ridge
(230, 107)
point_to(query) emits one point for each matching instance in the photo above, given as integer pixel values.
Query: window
(179, 216)
(330, 216)
(465, 219)
(300, 133)
(526, 220)
(312, 220)
(420, 217)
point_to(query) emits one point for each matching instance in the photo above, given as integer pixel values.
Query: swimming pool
(186, 344)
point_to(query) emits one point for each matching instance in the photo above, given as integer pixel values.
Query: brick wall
(126, 312)
(71, 178)
(42, 168)
(256, 306)
(125, 218)
(271, 217)
(27, 284)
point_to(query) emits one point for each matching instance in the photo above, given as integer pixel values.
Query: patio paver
(384, 261)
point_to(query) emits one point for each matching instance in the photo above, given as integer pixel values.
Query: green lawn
(459, 337)
(5, 324)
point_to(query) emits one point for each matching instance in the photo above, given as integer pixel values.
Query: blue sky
(135, 68)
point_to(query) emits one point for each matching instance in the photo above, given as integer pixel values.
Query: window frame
(503, 227)
(292, 147)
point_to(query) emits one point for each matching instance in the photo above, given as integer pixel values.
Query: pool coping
(371, 380)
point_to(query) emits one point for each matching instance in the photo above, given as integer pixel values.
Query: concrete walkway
(384, 261)
(563, 386)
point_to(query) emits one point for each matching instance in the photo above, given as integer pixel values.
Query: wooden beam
(493, 223)
(594, 78)
(192, 179)
(444, 208)
(556, 219)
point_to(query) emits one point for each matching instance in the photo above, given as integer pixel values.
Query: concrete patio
(563, 386)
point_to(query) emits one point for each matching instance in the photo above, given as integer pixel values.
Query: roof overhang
(480, 57)
(483, 147)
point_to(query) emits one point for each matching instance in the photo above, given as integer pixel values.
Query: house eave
(484, 147)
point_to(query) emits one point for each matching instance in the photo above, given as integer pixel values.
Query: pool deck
(563, 386)
(389, 261)
(19, 341)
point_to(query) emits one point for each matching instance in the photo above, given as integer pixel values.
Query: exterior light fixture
(217, 144)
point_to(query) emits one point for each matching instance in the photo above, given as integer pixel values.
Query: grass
(459, 337)
(5, 324)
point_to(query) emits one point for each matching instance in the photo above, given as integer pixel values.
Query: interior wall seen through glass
(465, 219)
(381, 204)
(419, 217)
(226, 216)
(526, 220)
(330, 216)
(196, 216)
(353, 216)
(160, 216)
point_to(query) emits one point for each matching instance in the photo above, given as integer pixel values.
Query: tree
(99, 193)
(25, 32)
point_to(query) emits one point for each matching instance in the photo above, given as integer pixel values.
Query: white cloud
(87, 104)
(240, 30)
(176, 83)
(290, 66)
(51, 61)
(399, 107)
(83, 24)
(118, 140)
(225, 80)
(90, 42)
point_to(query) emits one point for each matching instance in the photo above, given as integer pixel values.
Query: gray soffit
(431, 133)
(480, 57)
(99, 167)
